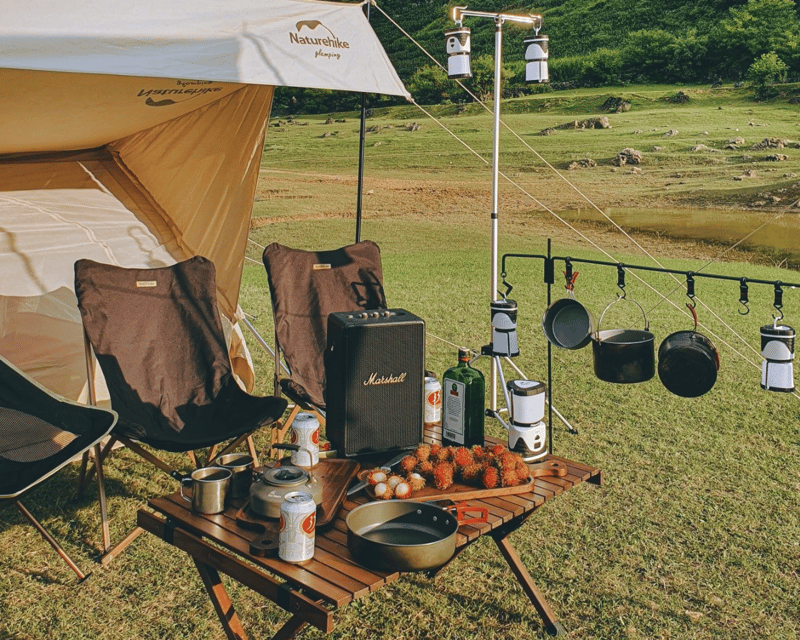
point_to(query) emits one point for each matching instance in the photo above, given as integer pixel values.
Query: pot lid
(285, 476)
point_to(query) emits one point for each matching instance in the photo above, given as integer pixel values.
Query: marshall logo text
(390, 379)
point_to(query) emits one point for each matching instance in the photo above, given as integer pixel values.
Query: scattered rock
(377, 144)
(340, 120)
(704, 133)
(591, 123)
(656, 148)
(679, 98)
(376, 128)
(327, 134)
(670, 133)
(776, 157)
(628, 156)
(329, 121)
(586, 163)
(413, 126)
(694, 616)
(635, 170)
(616, 105)
(547, 132)
(770, 143)
(736, 140)
(747, 174)
(636, 132)
(699, 147)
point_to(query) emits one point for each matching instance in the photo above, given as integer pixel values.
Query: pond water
(776, 235)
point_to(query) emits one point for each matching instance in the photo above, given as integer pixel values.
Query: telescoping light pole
(458, 66)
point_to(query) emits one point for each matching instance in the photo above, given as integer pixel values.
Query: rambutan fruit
(443, 475)
(422, 452)
(462, 457)
(490, 479)
(408, 464)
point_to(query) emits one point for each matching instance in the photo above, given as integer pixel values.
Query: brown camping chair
(40, 433)
(158, 338)
(307, 286)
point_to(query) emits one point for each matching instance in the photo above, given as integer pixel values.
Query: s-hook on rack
(549, 279)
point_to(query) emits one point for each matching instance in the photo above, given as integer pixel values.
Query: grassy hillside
(575, 27)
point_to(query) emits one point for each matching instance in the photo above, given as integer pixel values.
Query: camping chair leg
(123, 544)
(231, 446)
(251, 448)
(101, 494)
(144, 453)
(52, 541)
(84, 480)
(82, 472)
(551, 624)
(279, 430)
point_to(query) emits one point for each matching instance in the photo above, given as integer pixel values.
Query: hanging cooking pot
(624, 355)
(404, 535)
(567, 324)
(688, 362)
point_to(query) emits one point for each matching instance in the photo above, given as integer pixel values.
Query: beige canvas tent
(131, 133)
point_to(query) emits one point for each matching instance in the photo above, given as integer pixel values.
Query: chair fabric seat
(306, 287)
(41, 432)
(158, 338)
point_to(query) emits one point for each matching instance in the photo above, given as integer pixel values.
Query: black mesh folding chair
(40, 433)
(158, 338)
(306, 287)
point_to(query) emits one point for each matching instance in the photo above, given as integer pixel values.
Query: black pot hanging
(624, 356)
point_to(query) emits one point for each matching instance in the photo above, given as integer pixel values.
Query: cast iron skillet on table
(416, 535)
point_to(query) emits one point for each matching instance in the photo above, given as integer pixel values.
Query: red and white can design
(296, 528)
(433, 400)
(305, 434)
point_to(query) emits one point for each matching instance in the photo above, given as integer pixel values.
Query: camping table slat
(312, 592)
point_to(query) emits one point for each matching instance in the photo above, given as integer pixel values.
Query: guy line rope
(598, 209)
(664, 297)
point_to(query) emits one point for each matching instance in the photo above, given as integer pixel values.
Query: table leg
(551, 624)
(290, 629)
(221, 601)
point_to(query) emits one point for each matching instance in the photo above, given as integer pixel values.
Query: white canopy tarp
(131, 133)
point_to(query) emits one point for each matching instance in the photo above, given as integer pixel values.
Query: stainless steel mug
(241, 466)
(209, 488)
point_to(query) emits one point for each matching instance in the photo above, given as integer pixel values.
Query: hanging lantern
(459, 45)
(777, 349)
(536, 54)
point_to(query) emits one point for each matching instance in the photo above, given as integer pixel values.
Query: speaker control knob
(363, 315)
(375, 314)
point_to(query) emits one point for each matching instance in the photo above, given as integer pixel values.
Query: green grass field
(696, 530)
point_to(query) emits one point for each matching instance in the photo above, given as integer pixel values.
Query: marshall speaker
(375, 378)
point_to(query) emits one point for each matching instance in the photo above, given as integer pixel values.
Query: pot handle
(461, 509)
(613, 302)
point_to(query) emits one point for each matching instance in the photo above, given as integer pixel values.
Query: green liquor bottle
(463, 391)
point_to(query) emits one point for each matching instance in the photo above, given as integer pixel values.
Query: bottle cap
(463, 354)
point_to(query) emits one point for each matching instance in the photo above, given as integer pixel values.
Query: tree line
(756, 42)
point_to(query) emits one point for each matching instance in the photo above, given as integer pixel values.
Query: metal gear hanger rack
(549, 261)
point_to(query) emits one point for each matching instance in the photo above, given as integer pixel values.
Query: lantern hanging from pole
(459, 45)
(536, 54)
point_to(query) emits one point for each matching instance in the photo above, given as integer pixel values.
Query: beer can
(305, 434)
(433, 400)
(296, 528)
